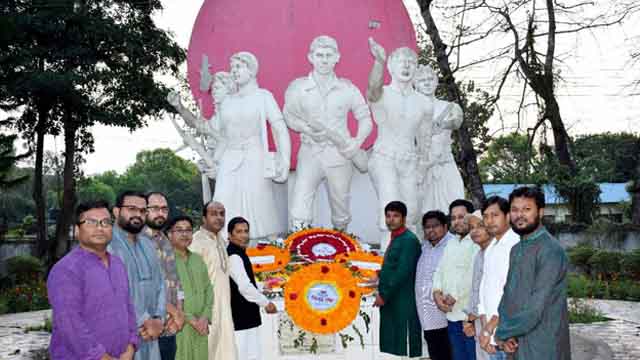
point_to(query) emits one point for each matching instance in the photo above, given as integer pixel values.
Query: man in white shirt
(452, 280)
(246, 300)
(495, 214)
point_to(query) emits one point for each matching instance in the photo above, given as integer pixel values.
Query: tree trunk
(560, 136)
(468, 157)
(38, 191)
(65, 219)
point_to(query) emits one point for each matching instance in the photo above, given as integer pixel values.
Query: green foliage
(579, 256)
(612, 156)
(606, 264)
(154, 170)
(93, 189)
(510, 160)
(26, 297)
(24, 269)
(579, 189)
(631, 264)
(4, 305)
(8, 159)
(581, 286)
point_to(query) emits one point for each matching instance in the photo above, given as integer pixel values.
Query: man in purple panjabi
(93, 316)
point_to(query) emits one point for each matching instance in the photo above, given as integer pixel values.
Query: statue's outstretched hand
(377, 51)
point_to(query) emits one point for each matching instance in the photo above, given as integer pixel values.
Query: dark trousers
(438, 344)
(464, 347)
(167, 346)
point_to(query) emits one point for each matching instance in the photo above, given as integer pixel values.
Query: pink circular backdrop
(279, 32)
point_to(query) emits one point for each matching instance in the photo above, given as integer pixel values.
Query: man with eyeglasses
(433, 320)
(86, 279)
(157, 214)
(146, 280)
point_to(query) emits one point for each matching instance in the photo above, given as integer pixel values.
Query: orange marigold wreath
(322, 298)
(365, 265)
(281, 258)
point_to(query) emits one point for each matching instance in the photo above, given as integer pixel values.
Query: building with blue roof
(612, 195)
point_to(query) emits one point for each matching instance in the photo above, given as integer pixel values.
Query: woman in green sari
(198, 292)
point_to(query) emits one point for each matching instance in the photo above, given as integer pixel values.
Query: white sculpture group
(410, 161)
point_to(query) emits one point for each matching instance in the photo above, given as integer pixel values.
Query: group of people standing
(485, 284)
(147, 287)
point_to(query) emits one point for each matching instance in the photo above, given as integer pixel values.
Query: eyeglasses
(182, 231)
(163, 209)
(95, 223)
(132, 208)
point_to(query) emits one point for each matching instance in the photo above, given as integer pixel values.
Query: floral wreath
(320, 244)
(364, 265)
(262, 255)
(322, 298)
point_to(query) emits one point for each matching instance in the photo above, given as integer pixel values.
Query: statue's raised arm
(376, 76)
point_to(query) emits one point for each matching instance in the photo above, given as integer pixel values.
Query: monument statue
(317, 106)
(221, 85)
(442, 183)
(247, 168)
(404, 117)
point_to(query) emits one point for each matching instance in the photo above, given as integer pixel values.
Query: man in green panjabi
(533, 310)
(192, 341)
(400, 331)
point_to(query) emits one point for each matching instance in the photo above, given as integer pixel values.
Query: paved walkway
(618, 339)
(15, 344)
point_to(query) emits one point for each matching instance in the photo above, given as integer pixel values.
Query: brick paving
(622, 335)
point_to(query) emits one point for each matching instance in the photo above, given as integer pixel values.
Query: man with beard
(146, 282)
(208, 243)
(533, 311)
(452, 280)
(157, 213)
(495, 215)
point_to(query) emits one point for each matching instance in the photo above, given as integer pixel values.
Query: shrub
(25, 269)
(606, 264)
(27, 297)
(631, 264)
(578, 286)
(579, 256)
(4, 307)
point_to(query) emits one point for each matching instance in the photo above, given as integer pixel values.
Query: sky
(593, 96)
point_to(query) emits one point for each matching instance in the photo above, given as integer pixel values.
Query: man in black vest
(246, 300)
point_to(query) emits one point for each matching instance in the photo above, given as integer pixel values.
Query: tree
(613, 157)
(102, 58)
(162, 170)
(154, 170)
(528, 53)
(8, 159)
(511, 160)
